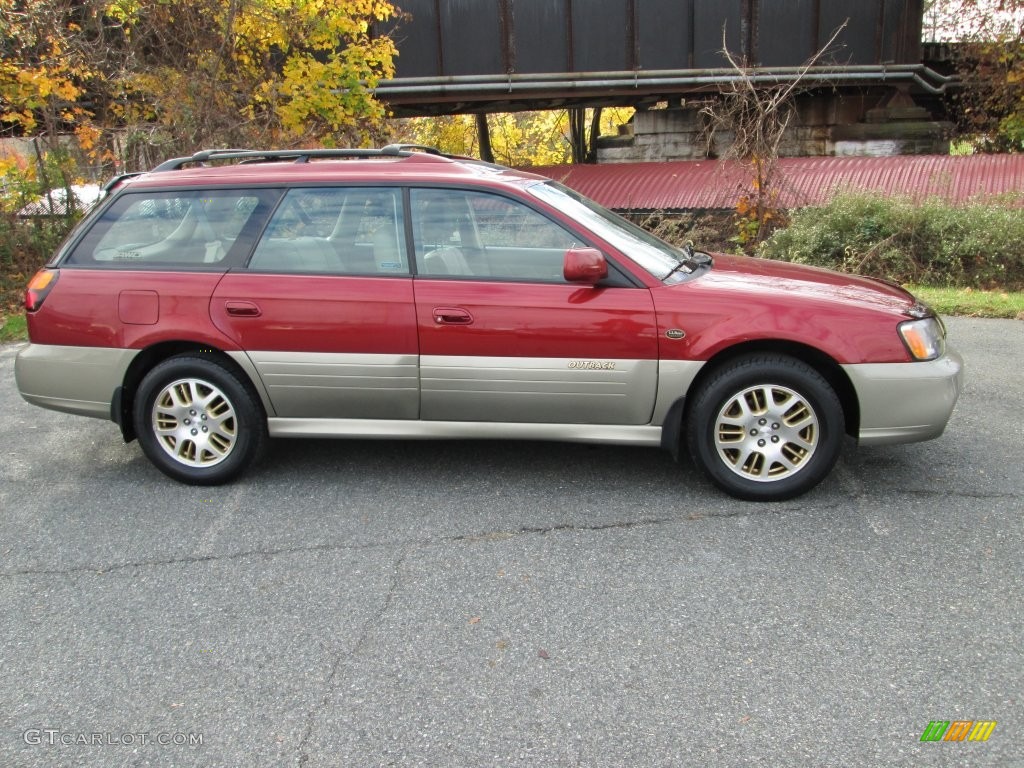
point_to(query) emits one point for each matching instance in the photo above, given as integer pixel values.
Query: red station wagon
(397, 293)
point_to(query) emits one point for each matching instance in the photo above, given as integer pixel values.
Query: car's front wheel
(765, 427)
(197, 421)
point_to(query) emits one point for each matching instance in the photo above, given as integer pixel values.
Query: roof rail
(294, 155)
(405, 149)
(119, 178)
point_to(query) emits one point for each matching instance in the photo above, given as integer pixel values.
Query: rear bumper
(906, 402)
(79, 380)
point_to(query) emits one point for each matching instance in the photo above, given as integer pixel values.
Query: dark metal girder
(483, 93)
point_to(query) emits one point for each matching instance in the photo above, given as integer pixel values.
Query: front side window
(194, 229)
(335, 230)
(464, 234)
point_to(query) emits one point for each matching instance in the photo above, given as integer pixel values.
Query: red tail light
(39, 287)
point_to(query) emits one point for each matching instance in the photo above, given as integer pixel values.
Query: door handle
(452, 316)
(242, 309)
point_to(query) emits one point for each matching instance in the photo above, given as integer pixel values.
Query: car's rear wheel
(765, 427)
(197, 421)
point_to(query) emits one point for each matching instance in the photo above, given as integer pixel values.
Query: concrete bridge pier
(876, 122)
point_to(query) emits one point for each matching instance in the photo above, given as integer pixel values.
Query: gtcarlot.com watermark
(55, 737)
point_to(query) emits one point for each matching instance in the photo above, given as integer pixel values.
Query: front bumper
(906, 402)
(78, 380)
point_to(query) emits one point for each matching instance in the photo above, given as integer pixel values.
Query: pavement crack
(499, 535)
(950, 492)
(566, 527)
(339, 658)
(193, 559)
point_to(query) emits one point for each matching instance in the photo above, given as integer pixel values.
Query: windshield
(662, 260)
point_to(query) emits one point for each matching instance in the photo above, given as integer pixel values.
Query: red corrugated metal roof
(707, 184)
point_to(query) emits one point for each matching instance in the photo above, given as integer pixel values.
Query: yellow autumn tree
(160, 77)
(517, 138)
(261, 72)
(42, 75)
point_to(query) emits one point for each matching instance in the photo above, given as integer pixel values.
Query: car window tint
(200, 229)
(471, 234)
(335, 230)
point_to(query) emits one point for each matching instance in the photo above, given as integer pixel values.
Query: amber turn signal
(925, 339)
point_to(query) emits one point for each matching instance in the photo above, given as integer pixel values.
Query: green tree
(989, 105)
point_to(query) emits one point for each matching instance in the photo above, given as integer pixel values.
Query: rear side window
(335, 230)
(190, 229)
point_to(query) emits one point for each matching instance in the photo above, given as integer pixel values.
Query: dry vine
(757, 116)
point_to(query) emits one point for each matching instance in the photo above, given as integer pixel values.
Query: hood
(780, 279)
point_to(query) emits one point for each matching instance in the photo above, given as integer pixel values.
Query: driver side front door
(505, 338)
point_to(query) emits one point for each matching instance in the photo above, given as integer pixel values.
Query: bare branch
(758, 117)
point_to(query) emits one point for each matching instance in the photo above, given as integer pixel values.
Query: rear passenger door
(324, 307)
(504, 337)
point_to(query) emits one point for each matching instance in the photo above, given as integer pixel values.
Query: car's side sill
(465, 430)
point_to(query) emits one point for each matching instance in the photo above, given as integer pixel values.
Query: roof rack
(118, 179)
(406, 149)
(296, 155)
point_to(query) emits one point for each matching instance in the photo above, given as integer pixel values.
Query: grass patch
(14, 328)
(970, 302)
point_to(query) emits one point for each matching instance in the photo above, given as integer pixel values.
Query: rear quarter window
(186, 229)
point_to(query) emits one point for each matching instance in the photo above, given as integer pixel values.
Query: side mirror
(585, 265)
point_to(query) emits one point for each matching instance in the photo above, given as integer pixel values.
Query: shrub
(708, 230)
(27, 242)
(25, 245)
(977, 245)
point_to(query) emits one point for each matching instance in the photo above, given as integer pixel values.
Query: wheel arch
(153, 355)
(825, 365)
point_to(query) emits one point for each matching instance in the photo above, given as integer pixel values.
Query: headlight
(924, 338)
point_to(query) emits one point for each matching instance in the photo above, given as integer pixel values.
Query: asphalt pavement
(354, 603)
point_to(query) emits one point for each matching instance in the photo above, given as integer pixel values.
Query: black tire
(213, 425)
(765, 427)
